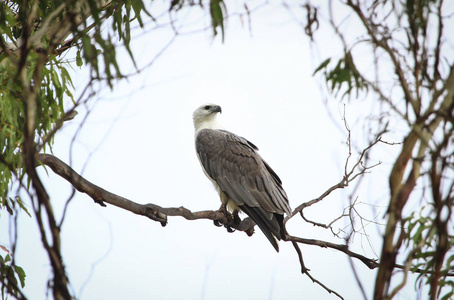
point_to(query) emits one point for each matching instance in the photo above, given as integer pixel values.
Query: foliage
(344, 76)
(217, 8)
(36, 85)
(37, 97)
(39, 67)
(409, 40)
(422, 239)
(217, 13)
(10, 274)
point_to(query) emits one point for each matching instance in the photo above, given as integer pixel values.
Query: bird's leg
(228, 215)
(222, 209)
(230, 218)
(236, 218)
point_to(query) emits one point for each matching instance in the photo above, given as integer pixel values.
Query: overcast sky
(138, 143)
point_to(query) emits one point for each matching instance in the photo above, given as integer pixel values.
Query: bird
(244, 181)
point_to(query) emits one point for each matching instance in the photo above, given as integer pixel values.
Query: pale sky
(138, 140)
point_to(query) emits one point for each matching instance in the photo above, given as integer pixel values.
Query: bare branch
(151, 211)
(348, 177)
(383, 43)
(305, 271)
(326, 226)
(370, 263)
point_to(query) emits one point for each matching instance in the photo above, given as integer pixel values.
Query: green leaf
(79, 61)
(322, 66)
(138, 7)
(20, 272)
(217, 8)
(117, 23)
(447, 296)
(418, 234)
(22, 205)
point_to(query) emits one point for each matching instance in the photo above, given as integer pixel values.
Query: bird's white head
(205, 117)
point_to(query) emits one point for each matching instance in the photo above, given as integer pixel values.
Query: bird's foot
(236, 218)
(231, 219)
(223, 210)
(229, 229)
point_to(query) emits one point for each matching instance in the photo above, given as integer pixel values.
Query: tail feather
(271, 224)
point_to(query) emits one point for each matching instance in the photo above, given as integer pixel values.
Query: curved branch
(305, 271)
(370, 263)
(159, 214)
(151, 211)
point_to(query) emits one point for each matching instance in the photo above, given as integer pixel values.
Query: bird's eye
(207, 107)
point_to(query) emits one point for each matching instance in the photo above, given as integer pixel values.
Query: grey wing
(245, 177)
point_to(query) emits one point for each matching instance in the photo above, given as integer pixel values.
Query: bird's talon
(226, 213)
(236, 219)
(216, 223)
(229, 229)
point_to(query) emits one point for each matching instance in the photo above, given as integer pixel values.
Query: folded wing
(234, 164)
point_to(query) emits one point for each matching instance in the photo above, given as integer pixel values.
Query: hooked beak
(216, 109)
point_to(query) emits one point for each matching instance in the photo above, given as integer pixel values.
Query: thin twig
(305, 271)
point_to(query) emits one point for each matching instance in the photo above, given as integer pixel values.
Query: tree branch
(151, 211)
(305, 271)
(383, 44)
(370, 263)
(348, 177)
(159, 214)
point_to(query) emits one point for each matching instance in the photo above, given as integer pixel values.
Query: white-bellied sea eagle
(242, 178)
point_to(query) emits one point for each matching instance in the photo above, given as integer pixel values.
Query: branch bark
(400, 189)
(151, 211)
(159, 214)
